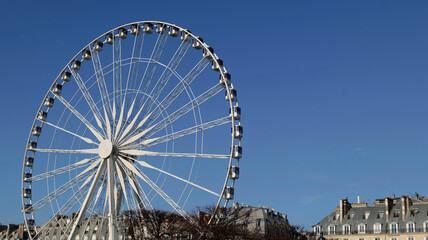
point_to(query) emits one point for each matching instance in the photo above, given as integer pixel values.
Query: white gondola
(225, 79)
(197, 44)
(27, 192)
(29, 161)
(49, 102)
(109, 38)
(235, 112)
(207, 54)
(234, 172)
(57, 88)
(76, 65)
(98, 46)
(36, 131)
(229, 193)
(238, 133)
(27, 177)
(122, 33)
(135, 29)
(86, 55)
(237, 152)
(148, 28)
(216, 65)
(232, 96)
(30, 222)
(173, 31)
(185, 35)
(42, 116)
(160, 28)
(32, 145)
(66, 76)
(28, 208)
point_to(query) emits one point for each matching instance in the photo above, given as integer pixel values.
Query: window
(377, 228)
(393, 228)
(366, 215)
(410, 238)
(377, 239)
(410, 227)
(346, 229)
(361, 239)
(258, 222)
(396, 214)
(331, 230)
(426, 227)
(393, 239)
(361, 228)
(317, 229)
(380, 215)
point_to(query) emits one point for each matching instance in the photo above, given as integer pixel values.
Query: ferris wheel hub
(105, 148)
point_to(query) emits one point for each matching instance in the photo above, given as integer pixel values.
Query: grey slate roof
(418, 214)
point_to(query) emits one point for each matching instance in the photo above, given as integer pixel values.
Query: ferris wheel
(144, 116)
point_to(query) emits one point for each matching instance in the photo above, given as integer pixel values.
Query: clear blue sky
(334, 93)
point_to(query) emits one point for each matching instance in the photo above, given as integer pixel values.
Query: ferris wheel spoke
(136, 152)
(136, 54)
(175, 135)
(141, 196)
(61, 190)
(89, 151)
(117, 67)
(145, 164)
(186, 108)
(151, 65)
(131, 125)
(179, 89)
(100, 189)
(85, 92)
(81, 118)
(167, 73)
(80, 164)
(159, 191)
(71, 202)
(121, 177)
(88, 140)
(88, 198)
(131, 138)
(102, 86)
(164, 79)
(146, 203)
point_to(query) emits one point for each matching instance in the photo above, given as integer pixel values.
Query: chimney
(358, 199)
(343, 208)
(388, 206)
(404, 200)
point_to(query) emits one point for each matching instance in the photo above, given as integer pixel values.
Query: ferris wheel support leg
(88, 198)
(111, 202)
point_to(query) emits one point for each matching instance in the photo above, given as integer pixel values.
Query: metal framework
(134, 120)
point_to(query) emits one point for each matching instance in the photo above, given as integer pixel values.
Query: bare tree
(211, 223)
(153, 224)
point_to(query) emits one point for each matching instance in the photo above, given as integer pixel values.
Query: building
(263, 218)
(404, 218)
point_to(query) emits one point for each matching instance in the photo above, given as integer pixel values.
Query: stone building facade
(402, 218)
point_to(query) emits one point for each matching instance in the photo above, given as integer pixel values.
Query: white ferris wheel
(144, 116)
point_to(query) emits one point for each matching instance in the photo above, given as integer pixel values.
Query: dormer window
(331, 230)
(377, 228)
(346, 229)
(393, 228)
(396, 214)
(410, 227)
(366, 215)
(361, 229)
